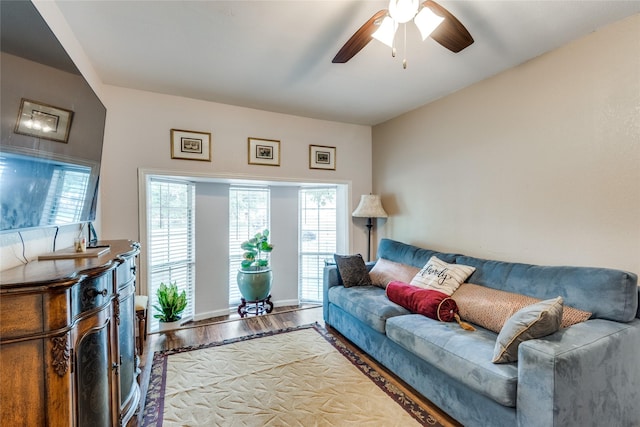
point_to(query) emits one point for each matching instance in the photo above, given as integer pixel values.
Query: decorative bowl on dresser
(67, 340)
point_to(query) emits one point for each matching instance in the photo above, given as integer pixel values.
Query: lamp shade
(370, 207)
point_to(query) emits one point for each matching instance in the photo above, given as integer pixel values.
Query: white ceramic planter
(169, 326)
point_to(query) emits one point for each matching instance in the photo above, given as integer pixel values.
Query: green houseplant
(171, 303)
(255, 276)
(256, 252)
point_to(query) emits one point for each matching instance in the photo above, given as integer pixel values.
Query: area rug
(301, 376)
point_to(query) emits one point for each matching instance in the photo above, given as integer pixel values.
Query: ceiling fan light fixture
(432, 20)
(386, 32)
(427, 21)
(402, 11)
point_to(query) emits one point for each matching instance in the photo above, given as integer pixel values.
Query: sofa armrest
(583, 375)
(331, 278)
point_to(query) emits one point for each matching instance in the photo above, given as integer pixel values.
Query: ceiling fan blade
(451, 33)
(359, 39)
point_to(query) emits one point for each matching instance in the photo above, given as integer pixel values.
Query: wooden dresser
(67, 340)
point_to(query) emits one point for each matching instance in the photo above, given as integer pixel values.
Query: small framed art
(264, 152)
(190, 145)
(322, 157)
(43, 121)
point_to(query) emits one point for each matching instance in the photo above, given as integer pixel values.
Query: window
(170, 223)
(248, 215)
(318, 235)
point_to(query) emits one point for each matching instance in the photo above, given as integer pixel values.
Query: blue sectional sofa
(584, 375)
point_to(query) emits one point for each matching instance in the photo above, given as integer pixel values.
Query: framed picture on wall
(190, 145)
(322, 157)
(43, 121)
(264, 152)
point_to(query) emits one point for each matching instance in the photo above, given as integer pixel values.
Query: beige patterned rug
(295, 377)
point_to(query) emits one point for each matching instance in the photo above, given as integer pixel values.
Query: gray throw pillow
(533, 321)
(352, 270)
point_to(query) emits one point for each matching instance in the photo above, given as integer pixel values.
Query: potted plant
(254, 276)
(171, 303)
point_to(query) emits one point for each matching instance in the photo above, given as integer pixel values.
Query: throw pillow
(534, 321)
(385, 271)
(491, 308)
(352, 270)
(428, 302)
(442, 276)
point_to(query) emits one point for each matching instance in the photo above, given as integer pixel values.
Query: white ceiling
(276, 55)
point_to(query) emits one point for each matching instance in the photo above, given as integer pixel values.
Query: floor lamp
(370, 207)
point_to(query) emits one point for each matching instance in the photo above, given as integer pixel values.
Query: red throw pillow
(428, 302)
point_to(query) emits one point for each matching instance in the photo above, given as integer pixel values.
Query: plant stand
(255, 307)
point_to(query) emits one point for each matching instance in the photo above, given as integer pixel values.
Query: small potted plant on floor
(254, 276)
(171, 304)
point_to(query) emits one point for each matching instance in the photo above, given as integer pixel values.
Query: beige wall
(138, 136)
(539, 164)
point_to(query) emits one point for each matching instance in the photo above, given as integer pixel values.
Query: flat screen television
(52, 128)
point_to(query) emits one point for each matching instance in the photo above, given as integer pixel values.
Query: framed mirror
(52, 127)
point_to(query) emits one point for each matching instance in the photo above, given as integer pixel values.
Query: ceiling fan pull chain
(393, 48)
(404, 61)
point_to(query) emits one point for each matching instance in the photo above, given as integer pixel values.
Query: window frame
(305, 290)
(184, 267)
(345, 223)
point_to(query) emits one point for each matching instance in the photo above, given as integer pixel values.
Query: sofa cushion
(534, 321)
(385, 271)
(409, 254)
(441, 276)
(491, 308)
(606, 293)
(368, 304)
(352, 270)
(463, 355)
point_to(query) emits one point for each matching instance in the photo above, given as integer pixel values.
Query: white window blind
(318, 232)
(248, 215)
(170, 223)
(65, 198)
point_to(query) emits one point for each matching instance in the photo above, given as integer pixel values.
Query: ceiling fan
(432, 20)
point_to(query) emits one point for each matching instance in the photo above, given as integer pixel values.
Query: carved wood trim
(116, 308)
(60, 352)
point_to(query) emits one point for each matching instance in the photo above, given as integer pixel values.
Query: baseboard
(233, 310)
(210, 314)
(286, 302)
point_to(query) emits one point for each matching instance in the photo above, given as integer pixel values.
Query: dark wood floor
(226, 327)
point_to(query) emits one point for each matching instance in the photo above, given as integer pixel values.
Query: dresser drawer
(126, 272)
(91, 293)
